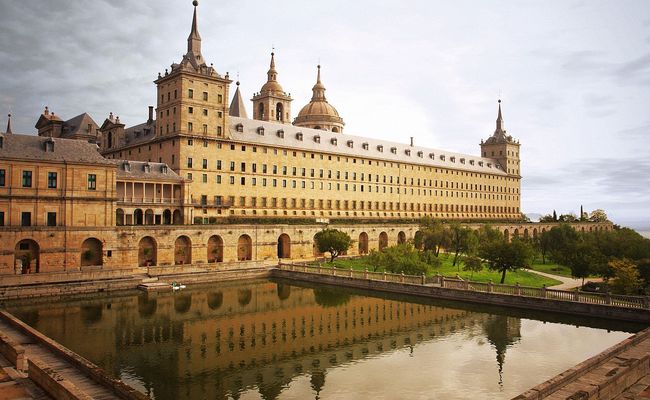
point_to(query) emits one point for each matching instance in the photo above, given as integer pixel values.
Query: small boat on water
(177, 286)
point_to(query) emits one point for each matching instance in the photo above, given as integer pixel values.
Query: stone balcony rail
(633, 302)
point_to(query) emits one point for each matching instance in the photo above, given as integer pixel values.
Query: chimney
(411, 141)
(150, 120)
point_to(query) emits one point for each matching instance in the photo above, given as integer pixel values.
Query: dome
(319, 113)
(272, 86)
(318, 109)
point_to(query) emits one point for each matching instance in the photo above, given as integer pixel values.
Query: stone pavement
(14, 385)
(639, 391)
(567, 283)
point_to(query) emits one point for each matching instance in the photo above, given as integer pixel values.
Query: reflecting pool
(285, 340)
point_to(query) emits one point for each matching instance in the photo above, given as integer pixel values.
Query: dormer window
(420, 154)
(489, 165)
(164, 169)
(452, 159)
(350, 144)
(280, 133)
(126, 166)
(240, 127)
(407, 152)
(432, 156)
(49, 145)
(260, 131)
(334, 141)
(462, 161)
(299, 136)
(471, 162)
(480, 163)
(442, 157)
(393, 150)
(146, 168)
(380, 148)
(364, 146)
(317, 139)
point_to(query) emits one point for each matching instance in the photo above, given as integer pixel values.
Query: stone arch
(335, 129)
(515, 234)
(244, 248)
(215, 300)
(28, 252)
(244, 296)
(418, 240)
(167, 217)
(182, 303)
(260, 110)
(534, 233)
(582, 229)
(183, 250)
(119, 217)
(92, 251)
(215, 249)
(147, 251)
(284, 246)
(506, 235)
(148, 217)
(383, 241)
(401, 237)
(363, 243)
(138, 217)
(543, 230)
(279, 112)
(177, 218)
(526, 236)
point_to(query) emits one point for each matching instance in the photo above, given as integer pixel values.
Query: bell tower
(502, 148)
(272, 103)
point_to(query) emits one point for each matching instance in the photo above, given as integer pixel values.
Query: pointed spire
(319, 89)
(237, 107)
(272, 74)
(194, 40)
(9, 125)
(499, 120)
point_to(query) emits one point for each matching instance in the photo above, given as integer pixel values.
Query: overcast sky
(574, 76)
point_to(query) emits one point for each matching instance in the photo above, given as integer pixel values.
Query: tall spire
(499, 120)
(318, 90)
(194, 40)
(237, 107)
(272, 74)
(9, 125)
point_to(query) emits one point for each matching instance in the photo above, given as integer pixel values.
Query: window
(3, 176)
(232, 165)
(205, 96)
(232, 180)
(189, 162)
(190, 127)
(190, 110)
(190, 142)
(205, 163)
(51, 180)
(190, 93)
(205, 129)
(92, 182)
(2, 218)
(51, 219)
(219, 98)
(218, 178)
(25, 219)
(27, 178)
(219, 164)
(205, 112)
(205, 178)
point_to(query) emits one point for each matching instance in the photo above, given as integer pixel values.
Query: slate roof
(128, 169)
(79, 126)
(306, 139)
(30, 147)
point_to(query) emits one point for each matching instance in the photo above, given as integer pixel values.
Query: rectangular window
(27, 179)
(243, 180)
(205, 163)
(51, 219)
(205, 178)
(190, 110)
(219, 165)
(2, 218)
(218, 200)
(205, 129)
(205, 96)
(190, 93)
(190, 127)
(232, 180)
(232, 165)
(218, 178)
(205, 112)
(92, 182)
(243, 167)
(51, 180)
(3, 177)
(190, 142)
(25, 219)
(189, 162)
(219, 98)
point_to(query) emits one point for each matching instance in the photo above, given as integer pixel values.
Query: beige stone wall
(62, 249)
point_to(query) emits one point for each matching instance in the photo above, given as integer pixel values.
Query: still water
(281, 340)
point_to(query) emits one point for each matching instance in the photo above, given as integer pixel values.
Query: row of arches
(148, 217)
(27, 255)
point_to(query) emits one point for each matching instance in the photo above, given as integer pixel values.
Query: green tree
(504, 256)
(598, 215)
(332, 241)
(463, 240)
(403, 258)
(554, 216)
(434, 235)
(626, 277)
(569, 217)
(543, 244)
(473, 264)
(562, 241)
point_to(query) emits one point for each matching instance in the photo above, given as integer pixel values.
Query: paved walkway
(62, 367)
(567, 283)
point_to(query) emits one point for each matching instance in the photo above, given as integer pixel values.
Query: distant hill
(534, 217)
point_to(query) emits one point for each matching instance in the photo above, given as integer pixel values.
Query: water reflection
(229, 339)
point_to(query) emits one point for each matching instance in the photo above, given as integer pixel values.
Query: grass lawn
(447, 269)
(555, 269)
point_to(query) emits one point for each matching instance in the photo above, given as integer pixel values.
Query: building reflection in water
(221, 340)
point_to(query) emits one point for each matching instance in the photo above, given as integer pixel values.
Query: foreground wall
(55, 249)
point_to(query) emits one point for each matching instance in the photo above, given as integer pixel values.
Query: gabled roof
(78, 126)
(306, 139)
(30, 147)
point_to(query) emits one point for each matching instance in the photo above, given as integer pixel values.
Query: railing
(637, 302)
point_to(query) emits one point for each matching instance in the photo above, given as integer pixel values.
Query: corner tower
(319, 114)
(502, 148)
(272, 103)
(192, 97)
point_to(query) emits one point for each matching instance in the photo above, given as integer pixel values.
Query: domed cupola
(319, 114)
(272, 103)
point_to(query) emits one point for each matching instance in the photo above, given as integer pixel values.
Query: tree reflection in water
(502, 332)
(327, 297)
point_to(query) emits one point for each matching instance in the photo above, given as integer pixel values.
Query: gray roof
(79, 126)
(140, 133)
(30, 147)
(300, 138)
(128, 169)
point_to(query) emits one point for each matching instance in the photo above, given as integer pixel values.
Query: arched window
(91, 252)
(183, 250)
(279, 113)
(260, 112)
(109, 141)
